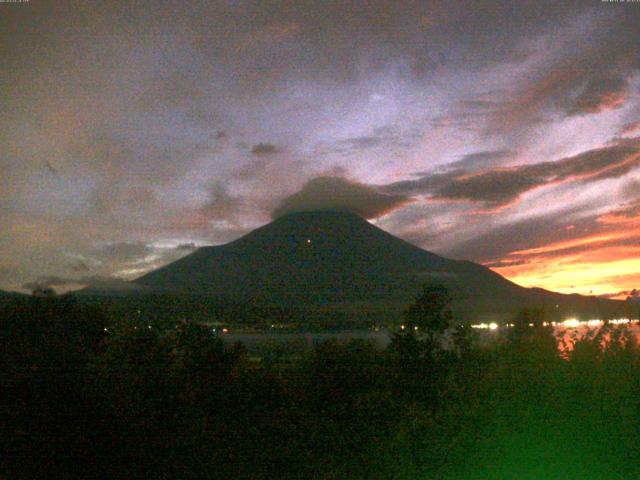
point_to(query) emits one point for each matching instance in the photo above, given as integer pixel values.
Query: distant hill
(10, 297)
(4, 293)
(338, 262)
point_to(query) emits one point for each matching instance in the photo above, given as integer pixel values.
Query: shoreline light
(571, 323)
(568, 323)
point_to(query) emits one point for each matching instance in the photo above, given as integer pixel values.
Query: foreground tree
(430, 315)
(420, 347)
(425, 322)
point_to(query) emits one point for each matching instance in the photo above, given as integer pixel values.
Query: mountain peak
(332, 229)
(321, 256)
(336, 257)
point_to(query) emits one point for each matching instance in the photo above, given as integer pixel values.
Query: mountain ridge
(334, 258)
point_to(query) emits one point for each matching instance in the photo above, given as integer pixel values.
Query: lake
(567, 332)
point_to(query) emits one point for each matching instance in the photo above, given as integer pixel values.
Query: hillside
(338, 261)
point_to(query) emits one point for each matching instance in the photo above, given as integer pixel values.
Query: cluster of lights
(568, 323)
(403, 327)
(596, 322)
(223, 330)
(485, 326)
(622, 321)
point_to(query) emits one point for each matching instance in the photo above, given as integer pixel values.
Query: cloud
(495, 244)
(630, 191)
(606, 93)
(468, 115)
(590, 67)
(174, 90)
(632, 296)
(79, 266)
(263, 149)
(220, 215)
(143, 138)
(104, 266)
(269, 35)
(505, 263)
(335, 193)
(51, 168)
(626, 212)
(188, 247)
(502, 186)
(630, 128)
(123, 251)
(220, 204)
(388, 139)
(481, 160)
(431, 181)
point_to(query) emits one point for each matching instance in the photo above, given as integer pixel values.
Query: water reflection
(572, 330)
(567, 333)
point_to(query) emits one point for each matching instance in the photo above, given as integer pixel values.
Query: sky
(502, 132)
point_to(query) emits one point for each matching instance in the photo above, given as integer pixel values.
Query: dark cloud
(631, 190)
(434, 180)
(606, 93)
(589, 83)
(79, 267)
(388, 139)
(626, 210)
(631, 127)
(505, 263)
(426, 184)
(261, 149)
(469, 115)
(632, 295)
(221, 203)
(123, 252)
(171, 89)
(425, 35)
(491, 247)
(476, 161)
(119, 200)
(494, 187)
(51, 168)
(364, 142)
(594, 75)
(187, 247)
(334, 193)
(504, 185)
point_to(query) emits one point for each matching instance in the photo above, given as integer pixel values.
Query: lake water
(301, 342)
(567, 332)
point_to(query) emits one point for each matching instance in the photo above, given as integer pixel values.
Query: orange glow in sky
(597, 269)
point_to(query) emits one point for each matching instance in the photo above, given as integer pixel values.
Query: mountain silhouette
(338, 260)
(5, 293)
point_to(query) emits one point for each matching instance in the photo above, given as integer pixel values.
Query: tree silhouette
(430, 314)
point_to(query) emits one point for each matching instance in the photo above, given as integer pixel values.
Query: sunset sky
(506, 133)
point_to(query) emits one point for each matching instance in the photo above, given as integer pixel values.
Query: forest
(85, 395)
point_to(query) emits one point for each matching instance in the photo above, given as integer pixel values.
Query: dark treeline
(165, 309)
(79, 401)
